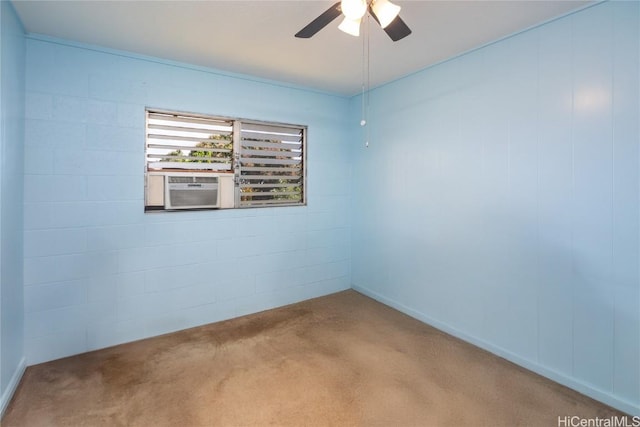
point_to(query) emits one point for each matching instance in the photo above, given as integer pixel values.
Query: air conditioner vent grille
(188, 199)
(192, 179)
(206, 179)
(191, 192)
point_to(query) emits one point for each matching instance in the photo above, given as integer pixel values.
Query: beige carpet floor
(338, 360)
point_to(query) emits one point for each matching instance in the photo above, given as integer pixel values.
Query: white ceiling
(256, 37)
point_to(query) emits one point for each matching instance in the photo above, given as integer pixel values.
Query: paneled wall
(12, 362)
(98, 270)
(498, 199)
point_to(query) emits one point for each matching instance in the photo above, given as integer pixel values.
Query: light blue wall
(498, 200)
(98, 270)
(12, 67)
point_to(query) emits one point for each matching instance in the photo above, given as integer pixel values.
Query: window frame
(236, 155)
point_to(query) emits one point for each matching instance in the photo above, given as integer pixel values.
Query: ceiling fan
(383, 11)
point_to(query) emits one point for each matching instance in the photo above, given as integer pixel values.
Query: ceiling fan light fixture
(385, 11)
(353, 9)
(350, 26)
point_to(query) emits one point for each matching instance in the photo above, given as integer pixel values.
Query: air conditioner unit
(191, 191)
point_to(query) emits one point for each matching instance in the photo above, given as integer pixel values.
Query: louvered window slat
(277, 145)
(271, 153)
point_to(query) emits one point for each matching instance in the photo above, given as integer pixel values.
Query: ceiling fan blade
(320, 22)
(397, 30)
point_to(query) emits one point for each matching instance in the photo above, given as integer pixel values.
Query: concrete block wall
(12, 70)
(98, 271)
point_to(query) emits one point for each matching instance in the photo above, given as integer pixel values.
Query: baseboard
(604, 397)
(12, 386)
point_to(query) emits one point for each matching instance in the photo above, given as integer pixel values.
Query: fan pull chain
(366, 79)
(368, 34)
(363, 121)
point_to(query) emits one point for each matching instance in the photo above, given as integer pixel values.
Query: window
(202, 162)
(271, 164)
